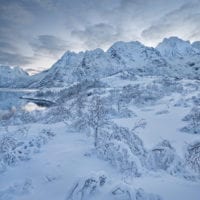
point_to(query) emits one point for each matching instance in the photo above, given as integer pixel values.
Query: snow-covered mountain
(173, 57)
(196, 45)
(183, 56)
(95, 64)
(175, 47)
(13, 77)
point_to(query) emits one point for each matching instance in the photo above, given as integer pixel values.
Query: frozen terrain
(130, 131)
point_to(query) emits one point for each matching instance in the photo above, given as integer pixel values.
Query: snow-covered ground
(51, 172)
(50, 152)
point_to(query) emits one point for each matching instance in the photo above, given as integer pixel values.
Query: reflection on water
(32, 106)
(10, 98)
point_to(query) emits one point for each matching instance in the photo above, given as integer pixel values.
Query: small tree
(97, 117)
(80, 104)
(193, 156)
(80, 118)
(195, 120)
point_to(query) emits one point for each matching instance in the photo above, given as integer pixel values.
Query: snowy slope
(52, 172)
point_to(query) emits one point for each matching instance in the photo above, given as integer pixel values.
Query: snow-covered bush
(122, 148)
(193, 119)
(13, 150)
(98, 185)
(7, 148)
(77, 89)
(142, 94)
(87, 187)
(120, 156)
(130, 93)
(196, 99)
(24, 117)
(169, 85)
(128, 75)
(57, 114)
(125, 192)
(163, 157)
(193, 156)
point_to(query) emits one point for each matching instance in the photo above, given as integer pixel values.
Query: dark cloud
(49, 45)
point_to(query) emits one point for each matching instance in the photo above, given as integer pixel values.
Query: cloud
(42, 29)
(8, 47)
(13, 59)
(98, 35)
(183, 22)
(15, 13)
(49, 45)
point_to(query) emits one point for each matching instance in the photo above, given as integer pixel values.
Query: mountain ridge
(172, 57)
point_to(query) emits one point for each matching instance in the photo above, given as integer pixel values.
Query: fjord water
(11, 99)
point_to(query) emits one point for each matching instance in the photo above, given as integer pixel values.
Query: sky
(34, 34)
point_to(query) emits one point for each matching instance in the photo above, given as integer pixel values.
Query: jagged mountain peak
(12, 76)
(94, 64)
(95, 51)
(15, 70)
(175, 47)
(173, 56)
(175, 40)
(124, 45)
